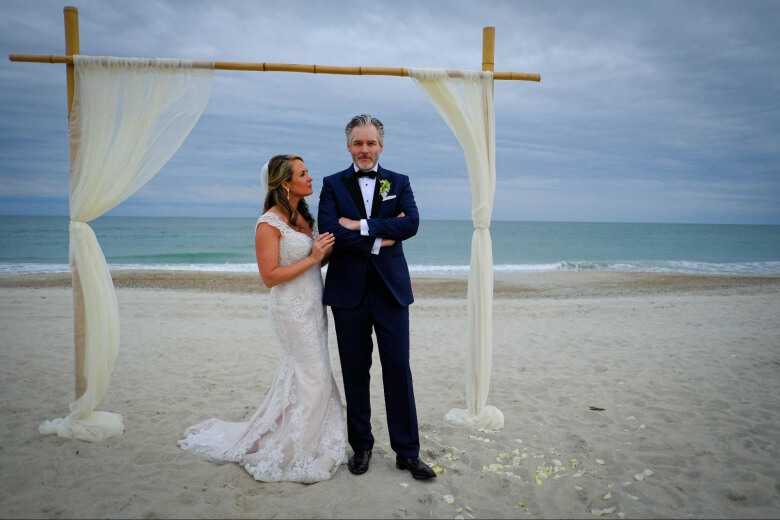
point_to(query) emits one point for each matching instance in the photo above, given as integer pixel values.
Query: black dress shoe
(358, 463)
(419, 469)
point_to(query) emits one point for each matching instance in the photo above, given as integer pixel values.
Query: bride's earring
(288, 192)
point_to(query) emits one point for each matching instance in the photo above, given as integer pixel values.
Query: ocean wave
(64, 268)
(676, 266)
(464, 269)
(651, 266)
(33, 268)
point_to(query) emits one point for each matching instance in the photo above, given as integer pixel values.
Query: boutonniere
(384, 189)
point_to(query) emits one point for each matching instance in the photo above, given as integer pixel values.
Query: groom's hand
(352, 225)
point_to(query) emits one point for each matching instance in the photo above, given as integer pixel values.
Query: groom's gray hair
(366, 120)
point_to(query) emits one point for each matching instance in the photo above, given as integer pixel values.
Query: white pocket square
(388, 197)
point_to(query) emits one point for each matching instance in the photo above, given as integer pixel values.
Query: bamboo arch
(72, 47)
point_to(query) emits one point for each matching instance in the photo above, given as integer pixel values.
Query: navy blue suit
(367, 291)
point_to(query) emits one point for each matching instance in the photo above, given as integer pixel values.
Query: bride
(299, 431)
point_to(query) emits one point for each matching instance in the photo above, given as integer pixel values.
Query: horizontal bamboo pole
(40, 58)
(288, 67)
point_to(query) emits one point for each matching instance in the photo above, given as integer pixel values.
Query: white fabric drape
(129, 117)
(465, 102)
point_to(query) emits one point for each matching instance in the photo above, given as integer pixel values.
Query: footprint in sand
(186, 498)
(734, 496)
(147, 457)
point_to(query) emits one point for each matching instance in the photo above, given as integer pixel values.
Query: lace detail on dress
(299, 431)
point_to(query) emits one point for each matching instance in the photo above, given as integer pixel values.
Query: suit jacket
(345, 283)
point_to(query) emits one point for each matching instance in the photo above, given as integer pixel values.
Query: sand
(684, 371)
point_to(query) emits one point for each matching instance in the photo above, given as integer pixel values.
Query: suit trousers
(379, 311)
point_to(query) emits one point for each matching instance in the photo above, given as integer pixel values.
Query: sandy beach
(684, 373)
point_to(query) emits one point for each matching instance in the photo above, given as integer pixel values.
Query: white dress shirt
(367, 185)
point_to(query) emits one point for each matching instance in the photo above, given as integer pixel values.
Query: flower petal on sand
(645, 473)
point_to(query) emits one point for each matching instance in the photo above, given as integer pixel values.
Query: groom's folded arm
(395, 228)
(351, 240)
(328, 222)
(364, 232)
(398, 228)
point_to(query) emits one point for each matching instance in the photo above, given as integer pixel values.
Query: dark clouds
(658, 111)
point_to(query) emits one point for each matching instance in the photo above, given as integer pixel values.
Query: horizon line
(429, 219)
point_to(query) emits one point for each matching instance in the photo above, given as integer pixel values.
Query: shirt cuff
(364, 227)
(377, 246)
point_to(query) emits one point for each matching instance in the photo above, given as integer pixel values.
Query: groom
(371, 211)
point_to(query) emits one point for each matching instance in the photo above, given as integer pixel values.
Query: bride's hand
(322, 246)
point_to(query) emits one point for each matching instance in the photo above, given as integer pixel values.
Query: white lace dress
(299, 431)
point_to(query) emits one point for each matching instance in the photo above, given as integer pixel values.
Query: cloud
(643, 107)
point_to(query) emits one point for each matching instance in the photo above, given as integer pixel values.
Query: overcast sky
(647, 111)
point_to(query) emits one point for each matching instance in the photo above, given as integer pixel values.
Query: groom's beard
(360, 161)
(369, 167)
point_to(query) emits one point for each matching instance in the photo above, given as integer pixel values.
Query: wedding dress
(299, 431)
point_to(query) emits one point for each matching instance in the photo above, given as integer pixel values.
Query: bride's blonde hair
(280, 171)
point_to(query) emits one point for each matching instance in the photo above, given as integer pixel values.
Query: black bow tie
(370, 174)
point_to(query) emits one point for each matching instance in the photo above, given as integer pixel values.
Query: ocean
(441, 247)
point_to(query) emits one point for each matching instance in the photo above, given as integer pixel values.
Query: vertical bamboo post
(72, 46)
(488, 48)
